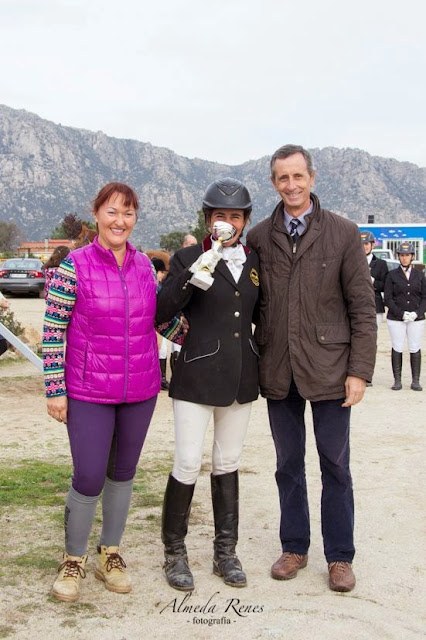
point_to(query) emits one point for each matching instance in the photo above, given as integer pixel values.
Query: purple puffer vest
(111, 353)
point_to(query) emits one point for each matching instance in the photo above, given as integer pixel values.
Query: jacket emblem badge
(254, 277)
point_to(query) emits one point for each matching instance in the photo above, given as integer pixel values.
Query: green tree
(70, 227)
(10, 237)
(199, 231)
(58, 233)
(172, 241)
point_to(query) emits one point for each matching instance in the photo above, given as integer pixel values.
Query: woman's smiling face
(115, 222)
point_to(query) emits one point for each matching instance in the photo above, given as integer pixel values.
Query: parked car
(383, 254)
(392, 264)
(22, 275)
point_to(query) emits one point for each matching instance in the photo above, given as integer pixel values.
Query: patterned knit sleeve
(60, 302)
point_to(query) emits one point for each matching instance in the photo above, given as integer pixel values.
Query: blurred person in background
(405, 298)
(3, 342)
(161, 273)
(50, 267)
(188, 241)
(378, 272)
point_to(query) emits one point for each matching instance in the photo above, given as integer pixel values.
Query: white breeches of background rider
(162, 353)
(412, 330)
(191, 421)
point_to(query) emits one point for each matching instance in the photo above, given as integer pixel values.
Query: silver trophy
(221, 232)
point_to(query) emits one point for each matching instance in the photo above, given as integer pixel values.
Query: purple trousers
(106, 441)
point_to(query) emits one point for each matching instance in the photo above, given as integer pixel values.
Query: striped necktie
(293, 229)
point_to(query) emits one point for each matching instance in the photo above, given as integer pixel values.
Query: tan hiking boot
(111, 569)
(71, 571)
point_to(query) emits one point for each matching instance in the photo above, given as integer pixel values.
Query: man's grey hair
(289, 150)
(189, 240)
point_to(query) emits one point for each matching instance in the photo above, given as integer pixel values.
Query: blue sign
(395, 232)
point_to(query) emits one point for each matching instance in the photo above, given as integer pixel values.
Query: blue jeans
(331, 428)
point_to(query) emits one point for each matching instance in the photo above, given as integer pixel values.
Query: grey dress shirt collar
(301, 219)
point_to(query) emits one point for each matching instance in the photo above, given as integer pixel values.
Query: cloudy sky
(224, 80)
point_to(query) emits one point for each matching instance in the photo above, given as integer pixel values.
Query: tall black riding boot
(415, 361)
(225, 510)
(397, 369)
(164, 383)
(176, 510)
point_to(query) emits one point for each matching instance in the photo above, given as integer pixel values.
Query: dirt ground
(388, 451)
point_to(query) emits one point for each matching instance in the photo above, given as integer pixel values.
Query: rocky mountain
(47, 171)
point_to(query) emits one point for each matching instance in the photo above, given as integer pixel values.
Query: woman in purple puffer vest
(104, 296)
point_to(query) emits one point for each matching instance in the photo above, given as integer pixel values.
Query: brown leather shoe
(287, 566)
(340, 576)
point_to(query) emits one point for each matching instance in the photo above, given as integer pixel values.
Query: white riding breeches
(162, 352)
(398, 330)
(191, 421)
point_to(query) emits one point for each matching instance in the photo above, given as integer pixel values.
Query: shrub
(8, 319)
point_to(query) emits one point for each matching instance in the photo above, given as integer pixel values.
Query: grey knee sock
(115, 507)
(79, 514)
